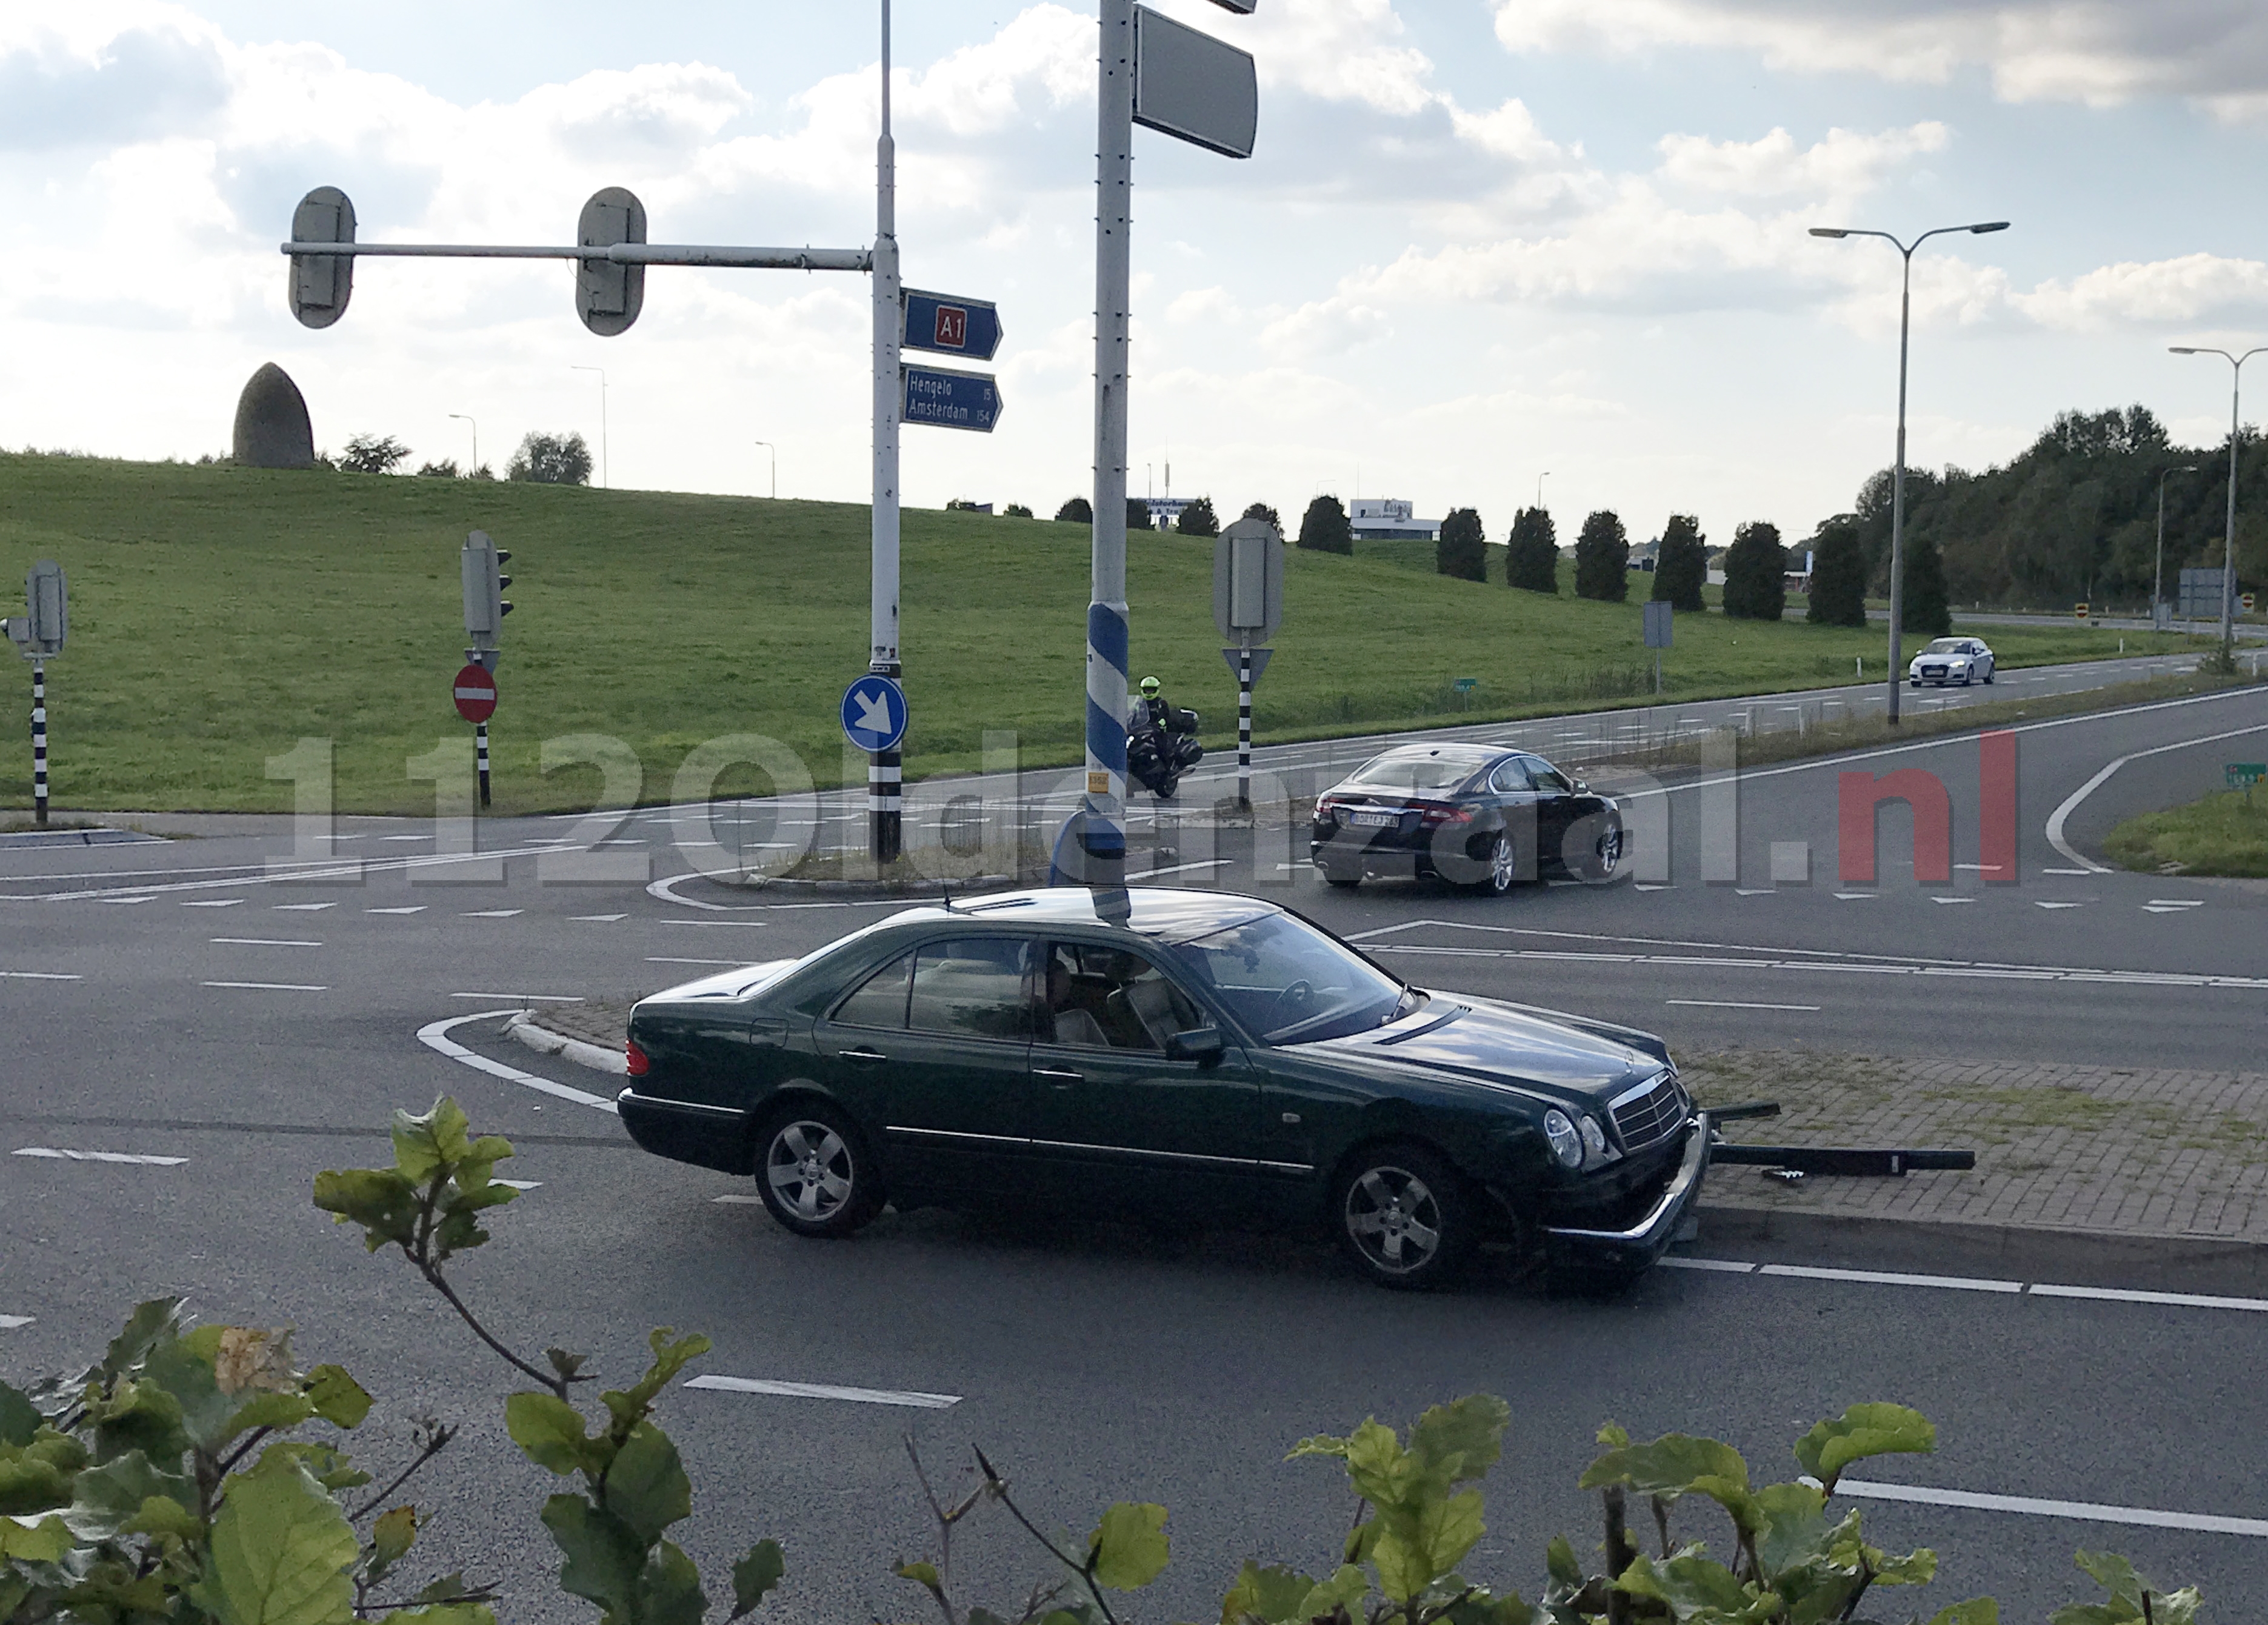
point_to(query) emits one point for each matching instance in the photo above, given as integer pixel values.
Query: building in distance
(1389, 518)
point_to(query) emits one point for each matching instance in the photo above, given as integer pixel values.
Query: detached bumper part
(1650, 1236)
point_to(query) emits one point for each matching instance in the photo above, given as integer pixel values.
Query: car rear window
(1414, 773)
(972, 986)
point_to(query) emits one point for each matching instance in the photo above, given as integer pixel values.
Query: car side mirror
(1582, 787)
(1203, 1045)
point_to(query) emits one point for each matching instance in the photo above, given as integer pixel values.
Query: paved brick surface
(2114, 1150)
(2109, 1150)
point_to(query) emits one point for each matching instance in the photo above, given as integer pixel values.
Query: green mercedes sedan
(1198, 1058)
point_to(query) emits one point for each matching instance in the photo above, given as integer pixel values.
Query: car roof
(1473, 753)
(1169, 915)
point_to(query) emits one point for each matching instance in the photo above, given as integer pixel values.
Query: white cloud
(2194, 288)
(2098, 51)
(1844, 164)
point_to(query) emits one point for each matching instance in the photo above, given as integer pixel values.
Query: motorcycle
(1156, 757)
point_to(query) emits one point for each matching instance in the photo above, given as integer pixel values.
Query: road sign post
(474, 692)
(1661, 627)
(1248, 606)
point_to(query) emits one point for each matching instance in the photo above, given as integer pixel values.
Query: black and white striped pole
(38, 635)
(39, 745)
(1248, 606)
(1244, 729)
(481, 757)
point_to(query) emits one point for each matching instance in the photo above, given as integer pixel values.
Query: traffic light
(608, 294)
(322, 283)
(484, 582)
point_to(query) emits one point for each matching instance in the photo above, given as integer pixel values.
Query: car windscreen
(1413, 775)
(1288, 982)
(1945, 646)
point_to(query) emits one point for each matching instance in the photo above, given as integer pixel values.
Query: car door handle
(1060, 1079)
(863, 1054)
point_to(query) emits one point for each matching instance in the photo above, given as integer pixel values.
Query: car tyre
(1606, 857)
(1405, 1216)
(814, 1173)
(1991, 672)
(1503, 865)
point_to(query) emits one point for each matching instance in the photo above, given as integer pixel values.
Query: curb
(2081, 1257)
(544, 1041)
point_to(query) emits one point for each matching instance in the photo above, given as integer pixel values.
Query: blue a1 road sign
(874, 714)
(951, 325)
(951, 399)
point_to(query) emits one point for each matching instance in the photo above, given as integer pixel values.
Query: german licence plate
(1374, 821)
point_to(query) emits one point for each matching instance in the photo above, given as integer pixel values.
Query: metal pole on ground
(2229, 550)
(481, 754)
(1244, 729)
(1103, 860)
(39, 745)
(885, 771)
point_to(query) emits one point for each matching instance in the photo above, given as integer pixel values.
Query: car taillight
(635, 1062)
(1327, 807)
(1434, 816)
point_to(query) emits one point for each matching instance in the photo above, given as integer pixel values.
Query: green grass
(2225, 833)
(220, 614)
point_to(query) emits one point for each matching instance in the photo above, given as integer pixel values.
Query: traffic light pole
(39, 745)
(885, 770)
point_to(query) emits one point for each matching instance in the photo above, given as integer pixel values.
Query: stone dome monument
(272, 430)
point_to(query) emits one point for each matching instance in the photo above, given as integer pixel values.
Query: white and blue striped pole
(39, 743)
(885, 770)
(1103, 837)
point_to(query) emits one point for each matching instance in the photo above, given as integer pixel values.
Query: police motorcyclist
(1150, 709)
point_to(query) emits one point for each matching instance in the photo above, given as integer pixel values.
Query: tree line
(540, 459)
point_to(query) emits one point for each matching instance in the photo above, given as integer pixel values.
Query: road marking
(2161, 909)
(652, 958)
(413, 908)
(135, 1158)
(9, 1322)
(225, 902)
(2057, 820)
(1953, 900)
(519, 1184)
(130, 900)
(405, 837)
(276, 871)
(2090, 1512)
(39, 975)
(2037, 903)
(491, 913)
(1736, 1004)
(2177, 902)
(304, 907)
(266, 941)
(826, 1391)
(270, 987)
(1642, 886)
(2183, 1300)
(1756, 891)
(1879, 1277)
(598, 919)
(2066, 871)
(529, 998)
(1721, 1266)
(739, 1201)
(1856, 897)
(435, 1036)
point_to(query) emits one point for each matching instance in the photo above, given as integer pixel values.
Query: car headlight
(1566, 1141)
(1595, 1139)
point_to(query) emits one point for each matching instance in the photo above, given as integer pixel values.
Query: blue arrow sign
(951, 399)
(874, 714)
(951, 325)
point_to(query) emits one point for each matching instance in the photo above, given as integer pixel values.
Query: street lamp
(1539, 478)
(1898, 481)
(2158, 582)
(465, 418)
(2229, 554)
(774, 450)
(605, 481)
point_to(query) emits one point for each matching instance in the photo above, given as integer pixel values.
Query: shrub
(1839, 576)
(1198, 519)
(1531, 552)
(373, 454)
(1077, 510)
(1925, 612)
(1462, 548)
(1138, 514)
(1015, 510)
(1602, 559)
(1262, 510)
(1680, 569)
(1755, 568)
(1323, 528)
(551, 459)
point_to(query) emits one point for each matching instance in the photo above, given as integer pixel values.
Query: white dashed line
(526, 998)
(9, 1322)
(133, 1157)
(652, 958)
(303, 907)
(2039, 903)
(2088, 1511)
(519, 1184)
(1720, 1266)
(491, 913)
(265, 942)
(270, 987)
(1880, 1277)
(224, 902)
(39, 975)
(826, 1391)
(598, 919)
(1736, 1004)
(2178, 1300)
(413, 908)
(735, 1199)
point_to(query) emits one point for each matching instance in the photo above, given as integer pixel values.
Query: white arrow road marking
(135, 1158)
(435, 1036)
(826, 1391)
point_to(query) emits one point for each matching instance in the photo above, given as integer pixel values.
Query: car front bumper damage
(1650, 1235)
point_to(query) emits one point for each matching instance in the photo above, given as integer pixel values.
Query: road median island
(2140, 1154)
(2225, 833)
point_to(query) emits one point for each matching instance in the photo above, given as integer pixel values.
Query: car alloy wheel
(813, 1177)
(1610, 852)
(1504, 864)
(1402, 1215)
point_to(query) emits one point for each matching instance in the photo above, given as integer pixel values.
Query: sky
(1485, 247)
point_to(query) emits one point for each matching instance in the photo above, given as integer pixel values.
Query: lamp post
(2158, 582)
(1898, 481)
(774, 450)
(606, 481)
(1539, 478)
(465, 418)
(2229, 550)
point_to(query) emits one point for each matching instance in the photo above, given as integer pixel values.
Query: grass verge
(2225, 833)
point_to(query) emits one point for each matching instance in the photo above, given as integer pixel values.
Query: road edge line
(435, 1036)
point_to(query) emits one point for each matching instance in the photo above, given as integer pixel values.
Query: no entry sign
(476, 695)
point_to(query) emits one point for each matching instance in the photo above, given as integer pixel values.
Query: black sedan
(1470, 814)
(1201, 1058)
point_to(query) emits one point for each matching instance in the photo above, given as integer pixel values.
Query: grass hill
(220, 614)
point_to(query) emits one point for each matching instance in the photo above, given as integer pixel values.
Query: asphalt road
(178, 1000)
